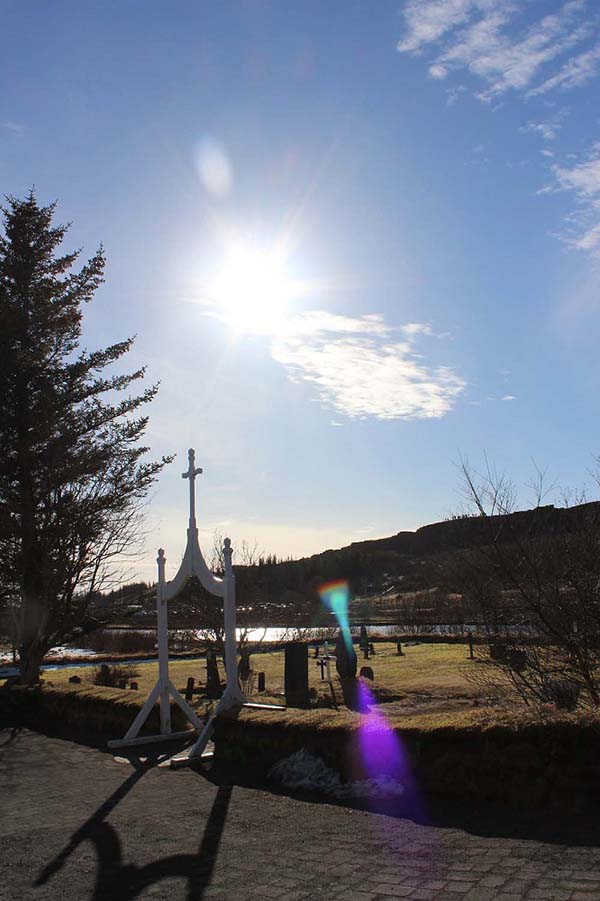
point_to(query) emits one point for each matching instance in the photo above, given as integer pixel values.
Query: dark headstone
(371, 649)
(345, 659)
(133, 686)
(104, 676)
(213, 680)
(122, 683)
(366, 672)
(399, 650)
(75, 680)
(363, 641)
(516, 659)
(189, 688)
(322, 664)
(261, 682)
(296, 674)
(498, 652)
(470, 640)
(244, 667)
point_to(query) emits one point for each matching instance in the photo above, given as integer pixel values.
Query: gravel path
(77, 824)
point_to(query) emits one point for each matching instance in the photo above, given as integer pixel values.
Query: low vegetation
(427, 673)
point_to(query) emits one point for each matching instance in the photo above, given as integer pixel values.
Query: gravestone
(498, 652)
(261, 682)
(323, 664)
(104, 675)
(516, 659)
(363, 642)
(75, 680)
(244, 667)
(122, 683)
(189, 688)
(399, 651)
(345, 659)
(371, 649)
(213, 681)
(470, 640)
(366, 672)
(133, 686)
(296, 674)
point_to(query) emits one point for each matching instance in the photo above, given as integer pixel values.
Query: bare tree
(532, 581)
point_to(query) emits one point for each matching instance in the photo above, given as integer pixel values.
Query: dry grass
(424, 668)
(427, 672)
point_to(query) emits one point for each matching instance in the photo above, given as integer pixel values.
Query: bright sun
(251, 289)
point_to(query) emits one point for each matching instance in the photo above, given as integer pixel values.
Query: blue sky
(429, 175)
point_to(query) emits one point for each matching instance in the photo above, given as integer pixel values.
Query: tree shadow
(119, 881)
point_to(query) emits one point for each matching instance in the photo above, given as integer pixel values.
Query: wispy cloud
(487, 38)
(507, 46)
(546, 130)
(361, 369)
(15, 127)
(583, 179)
(428, 21)
(574, 73)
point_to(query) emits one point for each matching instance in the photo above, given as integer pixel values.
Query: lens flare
(380, 752)
(376, 750)
(336, 596)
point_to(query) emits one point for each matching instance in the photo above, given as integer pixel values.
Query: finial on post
(227, 552)
(161, 565)
(191, 473)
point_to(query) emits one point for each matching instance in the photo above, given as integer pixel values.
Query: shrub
(122, 641)
(111, 676)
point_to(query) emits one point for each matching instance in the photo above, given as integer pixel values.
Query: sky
(356, 242)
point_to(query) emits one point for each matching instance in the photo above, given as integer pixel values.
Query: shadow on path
(14, 731)
(118, 881)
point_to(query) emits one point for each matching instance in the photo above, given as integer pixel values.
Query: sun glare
(251, 289)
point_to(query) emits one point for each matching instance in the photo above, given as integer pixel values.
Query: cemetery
(324, 624)
(319, 698)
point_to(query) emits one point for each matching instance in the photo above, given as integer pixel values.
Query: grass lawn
(427, 673)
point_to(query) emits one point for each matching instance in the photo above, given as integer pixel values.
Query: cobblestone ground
(76, 824)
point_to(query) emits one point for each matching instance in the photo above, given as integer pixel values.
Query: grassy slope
(434, 670)
(425, 669)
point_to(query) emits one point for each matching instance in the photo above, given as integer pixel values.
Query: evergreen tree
(72, 472)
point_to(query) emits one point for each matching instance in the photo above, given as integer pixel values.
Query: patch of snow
(305, 771)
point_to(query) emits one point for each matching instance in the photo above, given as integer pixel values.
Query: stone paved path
(76, 824)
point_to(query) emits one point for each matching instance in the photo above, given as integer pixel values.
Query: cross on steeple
(191, 474)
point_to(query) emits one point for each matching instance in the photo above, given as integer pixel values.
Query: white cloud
(453, 94)
(574, 73)
(428, 21)
(484, 37)
(583, 180)
(588, 240)
(361, 370)
(16, 127)
(509, 397)
(546, 130)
